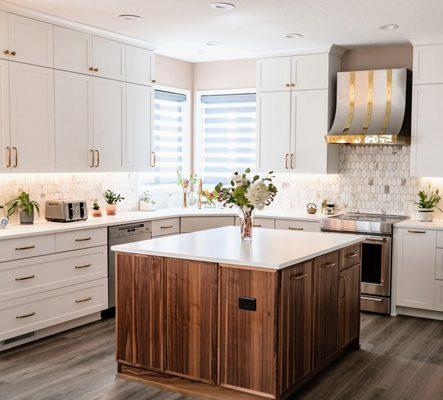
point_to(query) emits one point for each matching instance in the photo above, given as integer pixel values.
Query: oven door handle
(376, 239)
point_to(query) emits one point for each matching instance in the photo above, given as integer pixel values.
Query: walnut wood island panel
(208, 315)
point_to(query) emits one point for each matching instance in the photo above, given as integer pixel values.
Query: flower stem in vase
(185, 199)
(246, 223)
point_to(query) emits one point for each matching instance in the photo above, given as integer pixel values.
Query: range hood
(373, 107)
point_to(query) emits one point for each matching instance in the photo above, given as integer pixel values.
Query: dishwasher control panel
(122, 231)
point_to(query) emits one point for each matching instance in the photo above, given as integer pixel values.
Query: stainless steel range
(376, 256)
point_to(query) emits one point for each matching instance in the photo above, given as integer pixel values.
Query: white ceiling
(181, 28)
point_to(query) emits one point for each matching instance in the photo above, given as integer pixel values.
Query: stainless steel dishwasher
(121, 234)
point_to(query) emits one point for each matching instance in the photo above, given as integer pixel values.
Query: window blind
(228, 130)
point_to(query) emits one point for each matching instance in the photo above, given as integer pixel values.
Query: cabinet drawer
(81, 239)
(193, 224)
(260, 222)
(32, 313)
(440, 239)
(31, 246)
(350, 256)
(165, 227)
(438, 296)
(294, 225)
(439, 264)
(40, 274)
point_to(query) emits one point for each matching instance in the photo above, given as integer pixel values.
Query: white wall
(175, 73)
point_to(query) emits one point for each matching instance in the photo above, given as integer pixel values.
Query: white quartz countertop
(271, 249)
(413, 224)
(45, 227)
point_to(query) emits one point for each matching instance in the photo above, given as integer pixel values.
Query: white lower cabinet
(194, 224)
(268, 223)
(439, 264)
(163, 227)
(415, 261)
(295, 225)
(438, 297)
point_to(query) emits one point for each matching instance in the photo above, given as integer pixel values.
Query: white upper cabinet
(73, 122)
(274, 122)
(310, 72)
(4, 44)
(5, 137)
(139, 66)
(427, 64)
(139, 100)
(72, 50)
(273, 74)
(109, 105)
(29, 41)
(31, 92)
(108, 58)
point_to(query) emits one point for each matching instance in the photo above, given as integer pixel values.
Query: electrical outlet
(247, 303)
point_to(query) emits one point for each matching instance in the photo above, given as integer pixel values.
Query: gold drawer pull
(294, 228)
(297, 277)
(24, 278)
(351, 255)
(25, 248)
(83, 239)
(167, 227)
(83, 300)
(25, 316)
(328, 265)
(83, 266)
(415, 231)
(257, 225)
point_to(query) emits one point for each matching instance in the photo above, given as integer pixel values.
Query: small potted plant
(112, 199)
(146, 202)
(210, 197)
(427, 203)
(96, 211)
(26, 206)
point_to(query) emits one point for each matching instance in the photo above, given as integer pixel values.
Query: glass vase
(246, 223)
(185, 199)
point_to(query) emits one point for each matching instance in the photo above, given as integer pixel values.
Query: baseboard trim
(414, 312)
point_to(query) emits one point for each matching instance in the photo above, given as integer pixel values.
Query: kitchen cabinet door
(295, 225)
(30, 40)
(31, 95)
(325, 343)
(72, 50)
(73, 122)
(427, 62)
(415, 255)
(4, 42)
(296, 310)
(438, 298)
(427, 128)
(139, 101)
(274, 74)
(109, 123)
(310, 71)
(309, 125)
(108, 57)
(139, 66)
(190, 303)
(139, 311)
(349, 305)
(274, 130)
(5, 136)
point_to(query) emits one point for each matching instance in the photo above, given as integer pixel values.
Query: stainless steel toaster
(66, 210)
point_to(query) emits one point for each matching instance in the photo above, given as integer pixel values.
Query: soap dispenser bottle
(3, 218)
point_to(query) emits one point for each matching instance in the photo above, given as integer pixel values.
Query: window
(170, 140)
(226, 135)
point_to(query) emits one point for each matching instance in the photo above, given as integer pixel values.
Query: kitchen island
(209, 315)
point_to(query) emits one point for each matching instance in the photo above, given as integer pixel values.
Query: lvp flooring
(400, 359)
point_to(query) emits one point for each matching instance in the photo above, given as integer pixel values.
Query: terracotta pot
(96, 213)
(111, 209)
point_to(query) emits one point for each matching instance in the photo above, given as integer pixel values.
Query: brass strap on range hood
(351, 102)
(370, 101)
(388, 101)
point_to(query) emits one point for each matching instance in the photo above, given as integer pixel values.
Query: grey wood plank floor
(400, 359)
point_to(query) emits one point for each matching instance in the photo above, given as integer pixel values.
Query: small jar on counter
(3, 218)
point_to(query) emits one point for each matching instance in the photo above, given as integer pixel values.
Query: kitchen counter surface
(271, 249)
(413, 224)
(45, 227)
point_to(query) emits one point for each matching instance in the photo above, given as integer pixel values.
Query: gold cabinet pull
(153, 159)
(256, 225)
(83, 266)
(25, 278)
(295, 228)
(83, 239)
(95, 69)
(25, 248)
(13, 53)
(328, 265)
(167, 227)
(292, 84)
(92, 158)
(286, 161)
(16, 157)
(83, 300)
(351, 255)
(6, 52)
(297, 277)
(26, 315)
(292, 161)
(153, 81)
(91, 68)
(98, 158)
(8, 165)
(288, 85)
(415, 231)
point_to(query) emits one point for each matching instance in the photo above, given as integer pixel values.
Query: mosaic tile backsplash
(372, 179)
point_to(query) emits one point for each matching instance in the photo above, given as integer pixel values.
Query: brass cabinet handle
(13, 53)
(328, 265)
(83, 239)
(153, 81)
(351, 255)
(153, 159)
(295, 228)
(98, 158)
(167, 227)
(95, 69)
(292, 161)
(91, 68)
(25, 248)
(415, 231)
(8, 165)
(344, 287)
(292, 84)
(6, 52)
(256, 225)
(26, 315)
(25, 278)
(83, 300)
(288, 85)
(83, 266)
(297, 277)
(286, 161)
(16, 157)
(92, 158)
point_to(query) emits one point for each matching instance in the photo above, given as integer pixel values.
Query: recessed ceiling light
(130, 17)
(293, 35)
(222, 6)
(213, 43)
(389, 27)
